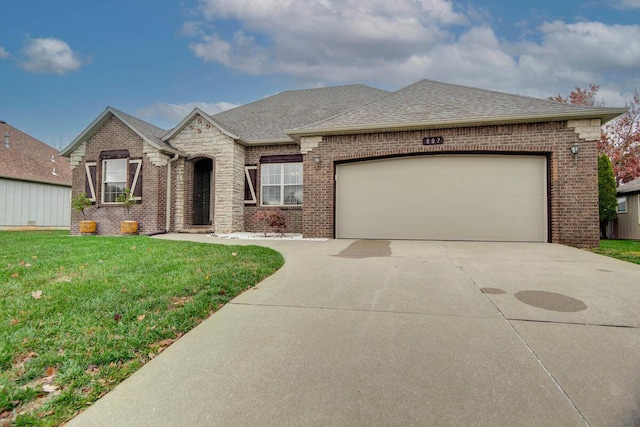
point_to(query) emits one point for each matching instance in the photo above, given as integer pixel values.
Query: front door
(202, 192)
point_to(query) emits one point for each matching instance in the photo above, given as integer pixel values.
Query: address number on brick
(434, 140)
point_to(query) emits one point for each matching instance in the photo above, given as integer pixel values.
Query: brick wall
(293, 213)
(150, 213)
(573, 182)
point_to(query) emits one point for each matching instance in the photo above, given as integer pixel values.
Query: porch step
(196, 230)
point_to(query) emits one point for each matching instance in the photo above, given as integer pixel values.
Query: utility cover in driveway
(444, 197)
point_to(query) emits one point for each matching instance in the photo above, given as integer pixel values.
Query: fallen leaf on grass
(181, 301)
(141, 317)
(92, 369)
(117, 317)
(51, 371)
(27, 265)
(133, 248)
(234, 253)
(50, 388)
(14, 275)
(14, 322)
(36, 294)
(34, 257)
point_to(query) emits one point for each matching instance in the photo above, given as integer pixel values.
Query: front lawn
(626, 250)
(80, 314)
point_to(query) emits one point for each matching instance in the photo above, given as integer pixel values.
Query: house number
(434, 140)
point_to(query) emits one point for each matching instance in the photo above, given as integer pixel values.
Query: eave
(603, 114)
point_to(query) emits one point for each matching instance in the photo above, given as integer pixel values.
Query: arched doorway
(202, 199)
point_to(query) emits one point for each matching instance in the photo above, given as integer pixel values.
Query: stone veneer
(573, 180)
(200, 139)
(150, 212)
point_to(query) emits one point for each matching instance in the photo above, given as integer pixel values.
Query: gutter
(168, 206)
(603, 114)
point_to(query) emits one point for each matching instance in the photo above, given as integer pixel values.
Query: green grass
(80, 314)
(626, 250)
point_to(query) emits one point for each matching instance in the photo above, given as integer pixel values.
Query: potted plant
(127, 199)
(80, 203)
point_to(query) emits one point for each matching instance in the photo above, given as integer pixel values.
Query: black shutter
(135, 178)
(250, 182)
(90, 181)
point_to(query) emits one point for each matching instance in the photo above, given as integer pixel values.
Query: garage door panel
(445, 197)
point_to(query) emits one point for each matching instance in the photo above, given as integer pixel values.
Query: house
(628, 221)
(35, 183)
(429, 161)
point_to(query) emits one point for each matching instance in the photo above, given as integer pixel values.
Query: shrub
(274, 219)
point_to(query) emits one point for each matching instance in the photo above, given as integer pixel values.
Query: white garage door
(444, 197)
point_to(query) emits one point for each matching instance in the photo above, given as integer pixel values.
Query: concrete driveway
(365, 333)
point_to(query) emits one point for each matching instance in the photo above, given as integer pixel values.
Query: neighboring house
(429, 161)
(628, 221)
(35, 183)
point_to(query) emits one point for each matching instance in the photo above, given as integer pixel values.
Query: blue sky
(62, 62)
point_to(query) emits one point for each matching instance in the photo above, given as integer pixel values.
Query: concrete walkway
(364, 333)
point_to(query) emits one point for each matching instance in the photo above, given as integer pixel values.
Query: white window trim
(282, 185)
(626, 201)
(104, 169)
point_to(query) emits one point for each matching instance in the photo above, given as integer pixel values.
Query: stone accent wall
(293, 214)
(573, 180)
(200, 139)
(150, 213)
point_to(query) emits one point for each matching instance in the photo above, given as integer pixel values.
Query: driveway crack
(531, 351)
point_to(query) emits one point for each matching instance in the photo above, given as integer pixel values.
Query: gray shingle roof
(630, 187)
(267, 119)
(28, 159)
(150, 133)
(434, 103)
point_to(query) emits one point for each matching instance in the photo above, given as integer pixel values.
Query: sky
(63, 62)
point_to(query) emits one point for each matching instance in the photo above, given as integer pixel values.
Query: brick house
(429, 161)
(35, 183)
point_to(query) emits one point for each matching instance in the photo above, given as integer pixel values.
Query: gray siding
(629, 223)
(24, 203)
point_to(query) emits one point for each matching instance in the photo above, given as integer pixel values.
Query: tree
(579, 96)
(620, 141)
(607, 201)
(620, 138)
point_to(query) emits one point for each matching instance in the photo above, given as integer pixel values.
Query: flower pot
(129, 227)
(87, 227)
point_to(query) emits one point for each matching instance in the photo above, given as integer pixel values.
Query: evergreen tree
(607, 200)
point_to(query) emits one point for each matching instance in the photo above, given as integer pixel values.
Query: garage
(444, 197)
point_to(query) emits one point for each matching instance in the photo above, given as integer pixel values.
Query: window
(281, 184)
(114, 179)
(622, 205)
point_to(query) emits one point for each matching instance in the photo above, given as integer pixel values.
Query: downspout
(168, 207)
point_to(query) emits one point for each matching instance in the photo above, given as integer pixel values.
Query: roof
(148, 132)
(266, 120)
(187, 120)
(434, 104)
(28, 159)
(629, 187)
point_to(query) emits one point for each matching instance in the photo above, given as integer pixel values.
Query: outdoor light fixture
(575, 149)
(317, 159)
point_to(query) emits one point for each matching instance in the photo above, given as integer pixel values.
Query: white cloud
(627, 4)
(281, 35)
(174, 113)
(3, 53)
(50, 55)
(391, 44)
